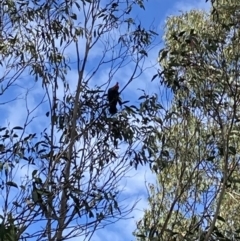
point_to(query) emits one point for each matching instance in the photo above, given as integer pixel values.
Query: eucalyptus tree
(196, 196)
(62, 163)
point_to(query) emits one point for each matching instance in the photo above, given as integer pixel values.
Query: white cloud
(133, 185)
(187, 5)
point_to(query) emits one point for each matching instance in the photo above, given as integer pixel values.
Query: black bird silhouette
(114, 98)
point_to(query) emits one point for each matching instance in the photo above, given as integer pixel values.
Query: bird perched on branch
(114, 98)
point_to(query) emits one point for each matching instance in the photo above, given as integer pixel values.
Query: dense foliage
(196, 196)
(60, 160)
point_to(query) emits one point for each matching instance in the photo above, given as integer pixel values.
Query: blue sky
(155, 13)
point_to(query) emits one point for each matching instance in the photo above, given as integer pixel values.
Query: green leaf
(232, 150)
(154, 33)
(143, 97)
(143, 52)
(17, 128)
(221, 219)
(2, 147)
(181, 33)
(16, 204)
(163, 54)
(91, 214)
(165, 153)
(74, 16)
(12, 184)
(141, 235)
(210, 158)
(154, 77)
(34, 173)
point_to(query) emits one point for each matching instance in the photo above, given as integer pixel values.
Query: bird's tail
(113, 109)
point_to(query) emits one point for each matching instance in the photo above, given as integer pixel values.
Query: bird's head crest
(116, 86)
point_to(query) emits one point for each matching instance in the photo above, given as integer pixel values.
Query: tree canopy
(61, 162)
(196, 196)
